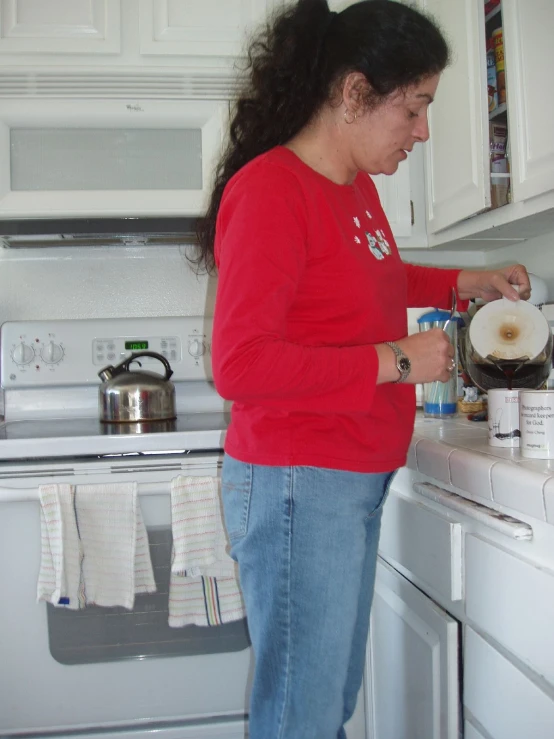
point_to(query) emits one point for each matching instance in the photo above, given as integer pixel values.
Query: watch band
(403, 364)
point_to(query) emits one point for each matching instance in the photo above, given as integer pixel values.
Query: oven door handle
(29, 495)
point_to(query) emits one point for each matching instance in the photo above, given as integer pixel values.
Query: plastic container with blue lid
(440, 399)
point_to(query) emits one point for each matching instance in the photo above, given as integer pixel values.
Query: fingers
(511, 282)
(432, 356)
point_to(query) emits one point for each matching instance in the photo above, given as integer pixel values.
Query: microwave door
(108, 158)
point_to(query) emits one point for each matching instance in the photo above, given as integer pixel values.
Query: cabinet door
(394, 193)
(503, 699)
(529, 55)
(199, 27)
(412, 664)
(458, 179)
(59, 26)
(499, 589)
(470, 732)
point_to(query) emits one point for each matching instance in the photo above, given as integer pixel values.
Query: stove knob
(51, 353)
(23, 353)
(196, 348)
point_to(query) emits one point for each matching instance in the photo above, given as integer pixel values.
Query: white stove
(110, 672)
(49, 375)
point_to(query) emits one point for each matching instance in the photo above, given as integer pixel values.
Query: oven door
(110, 669)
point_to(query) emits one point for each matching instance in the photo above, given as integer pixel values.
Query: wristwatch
(403, 364)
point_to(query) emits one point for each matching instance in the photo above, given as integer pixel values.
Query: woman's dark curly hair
(295, 66)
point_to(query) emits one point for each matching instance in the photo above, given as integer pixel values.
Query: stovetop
(79, 437)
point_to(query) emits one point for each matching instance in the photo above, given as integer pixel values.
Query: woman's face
(382, 137)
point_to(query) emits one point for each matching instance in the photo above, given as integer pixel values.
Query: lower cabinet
(505, 700)
(412, 671)
(470, 732)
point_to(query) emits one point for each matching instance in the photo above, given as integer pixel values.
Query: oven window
(54, 159)
(114, 634)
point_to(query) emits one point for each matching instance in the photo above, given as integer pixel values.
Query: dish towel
(203, 588)
(97, 548)
(59, 580)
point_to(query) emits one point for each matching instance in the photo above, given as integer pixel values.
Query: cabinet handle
(512, 527)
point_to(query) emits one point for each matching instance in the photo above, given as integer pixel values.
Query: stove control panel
(58, 353)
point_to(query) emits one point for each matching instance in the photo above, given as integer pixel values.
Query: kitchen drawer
(513, 601)
(505, 702)
(423, 542)
(470, 732)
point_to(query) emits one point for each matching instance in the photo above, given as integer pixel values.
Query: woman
(310, 338)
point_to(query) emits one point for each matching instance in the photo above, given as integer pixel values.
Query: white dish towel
(94, 546)
(203, 588)
(59, 580)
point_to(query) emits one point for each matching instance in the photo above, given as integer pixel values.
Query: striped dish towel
(116, 558)
(94, 546)
(204, 601)
(59, 579)
(199, 539)
(203, 588)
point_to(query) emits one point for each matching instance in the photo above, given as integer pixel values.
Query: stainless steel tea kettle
(129, 396)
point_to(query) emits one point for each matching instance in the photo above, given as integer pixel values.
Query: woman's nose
(421, 128)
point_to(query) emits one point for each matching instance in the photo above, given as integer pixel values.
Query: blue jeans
(305, 539)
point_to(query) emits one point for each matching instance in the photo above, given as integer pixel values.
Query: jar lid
(435, 315)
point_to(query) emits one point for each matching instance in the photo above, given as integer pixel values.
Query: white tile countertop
(456, 452)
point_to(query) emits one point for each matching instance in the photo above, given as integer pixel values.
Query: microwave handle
(507, 525)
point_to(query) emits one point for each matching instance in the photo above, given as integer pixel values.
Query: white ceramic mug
(503, 413)
(536, 409)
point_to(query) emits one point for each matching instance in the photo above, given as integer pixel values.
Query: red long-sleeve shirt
(309, 280)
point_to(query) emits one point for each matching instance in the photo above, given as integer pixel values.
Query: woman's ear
(355, 90)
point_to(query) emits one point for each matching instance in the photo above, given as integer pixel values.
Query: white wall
(536, 254)
(100, 282)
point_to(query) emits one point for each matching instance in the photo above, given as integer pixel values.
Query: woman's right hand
(430, 353)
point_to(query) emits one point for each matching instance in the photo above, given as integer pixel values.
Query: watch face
(404, 364)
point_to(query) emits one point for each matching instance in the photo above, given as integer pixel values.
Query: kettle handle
(124, 366)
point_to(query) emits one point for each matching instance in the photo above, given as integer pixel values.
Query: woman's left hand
(510, 282)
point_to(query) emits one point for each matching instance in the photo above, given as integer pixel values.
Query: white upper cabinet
(59, 26)
(199, 27)
(140, 33)
(458, 161)
(458, 183)
(394, 193)
(529, 64)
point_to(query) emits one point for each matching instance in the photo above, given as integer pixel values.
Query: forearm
(275, 373)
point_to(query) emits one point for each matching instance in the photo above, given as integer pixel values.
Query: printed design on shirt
(383, 243)
(373, 246)
(377, 242)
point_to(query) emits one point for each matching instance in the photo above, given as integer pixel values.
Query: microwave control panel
(72, 352)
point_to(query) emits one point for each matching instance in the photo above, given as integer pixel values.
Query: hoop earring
(350, 116)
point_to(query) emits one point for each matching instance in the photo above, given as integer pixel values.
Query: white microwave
(91, 158)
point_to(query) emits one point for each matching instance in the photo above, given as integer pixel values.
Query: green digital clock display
(136, 346)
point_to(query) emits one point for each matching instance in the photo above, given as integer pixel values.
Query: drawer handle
(512, 527)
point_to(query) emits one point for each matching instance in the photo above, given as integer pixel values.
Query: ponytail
(294, 65)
